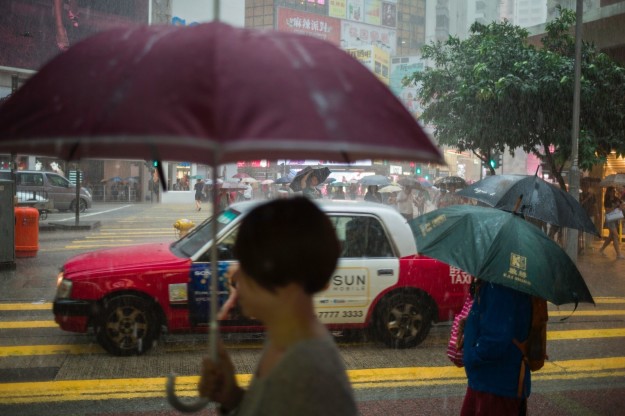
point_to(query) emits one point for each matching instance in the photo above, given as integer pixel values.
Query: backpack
(534, 348)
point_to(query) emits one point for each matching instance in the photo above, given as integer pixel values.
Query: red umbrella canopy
(209, 93)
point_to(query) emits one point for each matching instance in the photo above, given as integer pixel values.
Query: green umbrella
(502, 248)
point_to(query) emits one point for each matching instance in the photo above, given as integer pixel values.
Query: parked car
(56, 188)
(128, 295)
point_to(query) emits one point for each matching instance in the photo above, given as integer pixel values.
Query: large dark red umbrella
(209, 93)
(213, 94)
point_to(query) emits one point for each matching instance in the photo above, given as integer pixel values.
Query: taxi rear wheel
(127, 326)
(403, 320)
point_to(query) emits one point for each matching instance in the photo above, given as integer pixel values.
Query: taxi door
(367, 266)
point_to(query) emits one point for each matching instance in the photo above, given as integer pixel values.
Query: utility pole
(572, 240)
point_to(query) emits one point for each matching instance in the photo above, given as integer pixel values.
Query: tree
(494, 90)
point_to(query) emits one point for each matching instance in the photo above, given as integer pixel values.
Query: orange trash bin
(26, 231)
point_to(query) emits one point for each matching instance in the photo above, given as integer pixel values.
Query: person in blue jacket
(491, 359)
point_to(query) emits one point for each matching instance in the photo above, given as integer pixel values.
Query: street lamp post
(572, 240)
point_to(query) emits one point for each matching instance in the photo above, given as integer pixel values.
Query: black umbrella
(320, 172)
(283, 179)
(410, 182)
(379, 180)
(451, 182)
(539, 199)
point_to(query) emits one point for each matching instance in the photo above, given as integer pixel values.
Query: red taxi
(129, 295)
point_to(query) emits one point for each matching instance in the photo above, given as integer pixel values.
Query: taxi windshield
(188, 245)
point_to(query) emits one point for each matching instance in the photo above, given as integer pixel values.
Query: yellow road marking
(35, 306)
(585, 334)
(27, 324)
(95, 245)
(603, 299)
(75, 390)
(103, 229)
(98, 240)
(25, 306)
(28, 350)
(32, 350)
(615, 312)
(127, 232)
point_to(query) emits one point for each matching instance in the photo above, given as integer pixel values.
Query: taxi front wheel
(403, 320)
(127, 326)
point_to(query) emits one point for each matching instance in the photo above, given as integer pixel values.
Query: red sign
(254, 164)
(322, 27)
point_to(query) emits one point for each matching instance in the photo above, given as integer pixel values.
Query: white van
(50, 185)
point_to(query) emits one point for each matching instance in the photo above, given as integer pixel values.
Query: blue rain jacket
(491, 360)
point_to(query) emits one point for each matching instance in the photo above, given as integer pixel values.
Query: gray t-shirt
(309, 380)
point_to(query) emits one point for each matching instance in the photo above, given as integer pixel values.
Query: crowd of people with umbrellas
(316, 182)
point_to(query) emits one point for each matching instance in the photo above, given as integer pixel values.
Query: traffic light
(155, 163)
(495, 160)
(418, 170)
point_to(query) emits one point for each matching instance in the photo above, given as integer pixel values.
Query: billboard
(337, 8)
(192, 12)
(389, 14)
(374, 58)
(372, 11)
(408, 95)
(356, 10)
(322, 27)
(357, 35)
(33, 31)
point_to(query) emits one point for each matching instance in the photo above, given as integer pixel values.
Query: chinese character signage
(338, 9)
(322, 27)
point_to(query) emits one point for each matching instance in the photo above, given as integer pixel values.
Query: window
(30, 179)
(362, 237)
(56, 180)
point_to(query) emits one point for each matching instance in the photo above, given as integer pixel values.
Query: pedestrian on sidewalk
(491, 359)
(199, 194)
(300, 371)
(611, 201)
(404, 203)
(588, 201)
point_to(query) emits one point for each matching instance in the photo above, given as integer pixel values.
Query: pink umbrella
(209, 93)
(241, 175)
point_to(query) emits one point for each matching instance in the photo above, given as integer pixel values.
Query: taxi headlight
(63, 287)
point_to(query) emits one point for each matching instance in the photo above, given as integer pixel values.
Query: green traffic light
(155, 163)
(493, 164)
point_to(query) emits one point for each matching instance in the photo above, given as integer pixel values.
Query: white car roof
(394, 223)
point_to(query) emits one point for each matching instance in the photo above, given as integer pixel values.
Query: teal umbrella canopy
(502, 248)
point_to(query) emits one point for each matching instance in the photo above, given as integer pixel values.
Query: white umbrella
(248, 180)
(390, 188)
(616, 179)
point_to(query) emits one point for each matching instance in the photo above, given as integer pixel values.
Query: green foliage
(494, 90)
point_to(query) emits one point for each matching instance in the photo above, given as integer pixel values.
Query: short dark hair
(288, 241)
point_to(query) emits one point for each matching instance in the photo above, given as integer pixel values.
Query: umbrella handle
(178, 404)
(518, 202)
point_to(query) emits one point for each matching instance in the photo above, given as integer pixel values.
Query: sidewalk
(603, 274)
